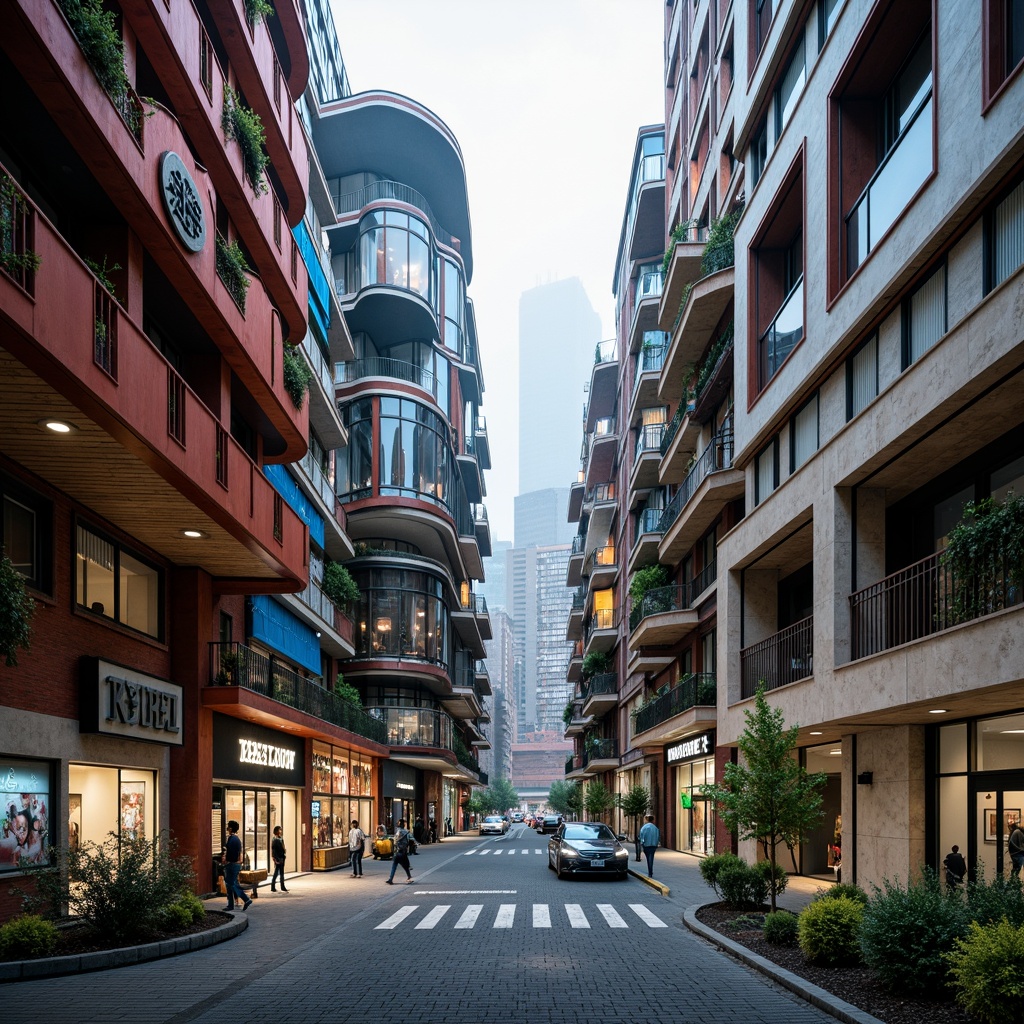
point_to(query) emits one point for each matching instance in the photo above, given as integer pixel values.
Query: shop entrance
(997, 809)
(258, 811)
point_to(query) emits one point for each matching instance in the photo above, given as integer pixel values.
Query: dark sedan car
(548, 823)
(582, 847)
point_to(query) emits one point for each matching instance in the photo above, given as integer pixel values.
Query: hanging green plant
(593, 663)
(347, 692)
(678, 234)
(707, 367)
(16, 610)
(649, 578)
(233, 270)
(14, 260)
(339, 585)
(297, 375)
(243, 125)
(719, 251)
(103, 272)
(257, 10)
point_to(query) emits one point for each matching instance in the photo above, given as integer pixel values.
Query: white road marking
(506, 916)
(465, 892)
(395, 919)
(646, 916)
(611, 915)
(576, 916)
(541, 916)
(469, 916)
(434, 916)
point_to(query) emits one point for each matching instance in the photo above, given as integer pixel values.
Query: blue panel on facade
(275, 626)
(319, 287)
(297, 500)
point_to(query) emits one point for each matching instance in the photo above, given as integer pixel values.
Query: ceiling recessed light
(835, 753)
(194, 534)
(937, 711)
(55, 426)
(815, 733)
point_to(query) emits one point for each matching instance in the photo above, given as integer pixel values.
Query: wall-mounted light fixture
(864, 779)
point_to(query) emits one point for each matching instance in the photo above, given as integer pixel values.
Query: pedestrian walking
(650, 837)
(232, 861)
(277, 855)
(1015, 844)
(403, 841)
(356, 840)
(418, 832)
(956, 867)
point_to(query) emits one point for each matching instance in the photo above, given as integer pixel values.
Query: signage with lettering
(119, 701)
(182, 201)
(245, 752)
(702, 745)
(399, 780)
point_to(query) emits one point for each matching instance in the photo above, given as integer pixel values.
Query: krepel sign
(119, 701)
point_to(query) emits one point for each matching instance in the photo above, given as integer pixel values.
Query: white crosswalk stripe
(576, 916)
(611, 915)
(469, 916)
(395, 919)
(434, 916)
(541, 916)
(506, 915)
(646, 916)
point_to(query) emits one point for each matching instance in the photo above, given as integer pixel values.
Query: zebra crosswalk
(497, 853)
(536, 915)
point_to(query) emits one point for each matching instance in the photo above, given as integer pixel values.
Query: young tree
(574, 799)
(479, 802)
(769, 796)
(558, 796)
(634, 805)
(598, 799)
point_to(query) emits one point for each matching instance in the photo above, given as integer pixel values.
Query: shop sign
(252, 753)
(702, 745)
(399, 780)
(182, 201)
(117, 701)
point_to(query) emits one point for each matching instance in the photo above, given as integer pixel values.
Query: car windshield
(492, 818)
(588, 832)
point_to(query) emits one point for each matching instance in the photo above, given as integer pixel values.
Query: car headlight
(568, 851)
(622, 853)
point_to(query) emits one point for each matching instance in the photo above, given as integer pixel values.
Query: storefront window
(25, 813)
(339, 777)
(105, 800)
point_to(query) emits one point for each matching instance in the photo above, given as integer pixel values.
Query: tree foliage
(768, 796)
(635, 804)
(16, 610)
(501, 795)
(558, 796)
(598, 800)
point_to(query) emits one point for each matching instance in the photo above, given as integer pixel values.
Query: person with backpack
(956, 867)
(356, 841)
(403, 844)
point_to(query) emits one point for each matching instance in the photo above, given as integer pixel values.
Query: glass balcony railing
(782, 335)
(599, 750)
(415, 727)
(600, 558)
(648, 522)
(649, 285)
(606, 352)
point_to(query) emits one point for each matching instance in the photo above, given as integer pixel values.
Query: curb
(816, 996)
(652, 882)
(25, 970)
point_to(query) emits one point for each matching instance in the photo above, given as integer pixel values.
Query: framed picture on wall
(1011, 817)
(74, 821)
(133, 810)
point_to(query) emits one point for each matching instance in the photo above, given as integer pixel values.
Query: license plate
(597, 863)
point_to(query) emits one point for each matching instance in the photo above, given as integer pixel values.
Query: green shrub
(829, 931)
(26, 937)
(297, 377)
(339, 585)
(779, 879)
(233, 270)
(780, 928)
(194, 905)
(719, 251)
(907, 932)
(243, 125)
(989, 902)
(16, 610)
(742, 885)
(711, 867)
(987, 972)
(843, 889)
(175, 917)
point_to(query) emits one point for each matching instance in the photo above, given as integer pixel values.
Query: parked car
(584, 847)
(517, 817)
(548, 823)
(493, 824)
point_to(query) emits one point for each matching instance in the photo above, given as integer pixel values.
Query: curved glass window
(451, 331)
(354, 464)
(394, 249)
(415, 456)
(401, 614)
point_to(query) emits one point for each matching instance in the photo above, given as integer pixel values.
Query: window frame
(989, 248)
(41, 510)
(773, 447)
(815, 401)
(872, 339)
(907, 358)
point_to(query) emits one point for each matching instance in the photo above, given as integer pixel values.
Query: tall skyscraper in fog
(558, 332)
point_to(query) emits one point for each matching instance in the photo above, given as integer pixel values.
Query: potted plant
(593, 663)
(243, 125)
(228, 674)
(233, 270)
(16, 610)
(339, 585)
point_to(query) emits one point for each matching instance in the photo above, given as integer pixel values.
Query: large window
(1005, 230)
(355, 463)
(394, 249)
(1004, 36)
(789, 89)
(803, 434)
(862, 377)
(415, 454)
(766, 471)
(113, 582)
(26, 533)
(924, 317)
(453, 313)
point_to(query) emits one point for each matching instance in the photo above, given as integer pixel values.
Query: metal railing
(385, 366)
(573, 763)
(648, 441)
(673, 598)
(649, 359)
(717, 456)
(647, 523)
(780, 659)
(320, 366)
(603, 618)
(377, 191)
(782, 334)
(928, 597)
(682, 411)
(579, 597)
(415, 727)
(235, 664)
(578, 544)
(699, 690)
(606, 352)
(600, 558)
(601, 684)
(599, 750)
(703, 579)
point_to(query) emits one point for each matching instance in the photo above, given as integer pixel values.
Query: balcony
(576, 492)
(602, 446)
(323, 408)
(706, 304)
(683, 269)
(653, 723)
(926, 598)
(604, 379)
(235, 666)
(663, 617)
(602, 502)
(714, 377)
(600, 755)
(600, 694)
(647, 457)
(646, 301)
(574, 666)
(483, 679)
(577, 556)
(574, 766)
(472, 623)
(678, 443)
(647, 372)
(601, 568)
(574, 628)
(779, 660)
(707, 489)
(648, 537)
(481, 443)
(600, 631)
(386, 367)
(482, 529)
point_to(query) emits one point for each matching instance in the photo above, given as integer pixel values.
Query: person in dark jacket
(277, 855)
(232, 865)
(403, 841)
(956, 867)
